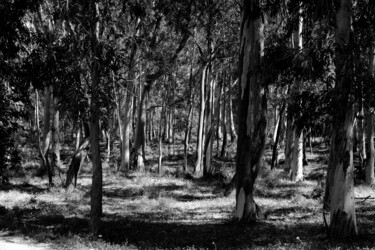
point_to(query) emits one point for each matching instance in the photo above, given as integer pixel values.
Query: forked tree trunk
(370, 178)
(198, 169)
(252, 112)
(97, 177)
(341, 180)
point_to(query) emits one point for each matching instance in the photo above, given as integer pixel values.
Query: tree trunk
(189, 120)
(209, 132)
(47, 133)
(370, 178)
(160, 141)
(78, 136)
(125, 161)
(140, 130)
(277, 137)
(198, 169)
(341, 180)
(97, 177)
(56, 162)
(297, 159)
(252, 112)
(289, 143)
(224, 125)
(233, 134)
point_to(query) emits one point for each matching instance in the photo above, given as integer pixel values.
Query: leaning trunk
(252, 112)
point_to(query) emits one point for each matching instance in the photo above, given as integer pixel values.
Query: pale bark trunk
(297, 162)
(224, 125)
(252, 112)
(275, 153)
(233, 134)
(341, 180)
(199, 161)
(78, 137)
(160, 158)
(186, 139)
(97, 177)
(125, 160)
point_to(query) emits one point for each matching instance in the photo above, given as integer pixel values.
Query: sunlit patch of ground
(151, 211)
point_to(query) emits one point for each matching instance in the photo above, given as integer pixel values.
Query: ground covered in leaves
(177, 211)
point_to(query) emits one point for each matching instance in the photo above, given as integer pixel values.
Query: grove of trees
(99, 81)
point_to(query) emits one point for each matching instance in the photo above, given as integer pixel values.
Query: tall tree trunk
(252, 112)
(140, 130)
(224, 124)
(233, 134)
(97, 177)
(275, 152)
(125, 160)
(118, 115)
(219, 131)
(289, 143)
(56, 162)
(189, 119)
(370, 178)
(161, 140)
(341, 180)
(198, 169)
(209, 132)
(297, 159)
(47, 133)
(78, 136)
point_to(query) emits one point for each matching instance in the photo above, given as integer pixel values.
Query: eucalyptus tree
(252, 111)
(14, 90)
(166, 29)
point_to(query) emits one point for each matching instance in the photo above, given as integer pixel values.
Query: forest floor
(172, 211)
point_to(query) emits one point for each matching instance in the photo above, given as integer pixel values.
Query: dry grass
(148, 211)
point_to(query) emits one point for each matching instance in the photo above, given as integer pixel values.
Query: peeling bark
(252, 112)
(341, 180)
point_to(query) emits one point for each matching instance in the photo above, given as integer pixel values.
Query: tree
(97, 177)
(342, 212)
(252, 111)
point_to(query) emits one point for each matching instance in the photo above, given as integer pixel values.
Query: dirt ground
(175, 211)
